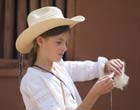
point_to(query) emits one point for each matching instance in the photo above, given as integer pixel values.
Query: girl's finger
(116, 67)
(109, 87)
(111, 75)
(104, 79)
(118, 64)
(121, 62)
(115, 70)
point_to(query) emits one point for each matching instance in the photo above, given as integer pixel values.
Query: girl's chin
(57, 60)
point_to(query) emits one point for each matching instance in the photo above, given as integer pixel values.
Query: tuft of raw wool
(121, 81)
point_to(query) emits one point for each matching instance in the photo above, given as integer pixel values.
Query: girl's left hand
(114, 65)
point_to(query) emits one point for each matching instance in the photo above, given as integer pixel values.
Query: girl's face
(54, 47)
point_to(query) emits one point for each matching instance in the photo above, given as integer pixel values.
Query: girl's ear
(39, 41)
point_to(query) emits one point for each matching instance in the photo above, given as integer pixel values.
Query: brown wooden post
(34, 4)
(1, 26)
(61, 4)
(46, 3)
(8, 28)
(21, 16)
(71, 44)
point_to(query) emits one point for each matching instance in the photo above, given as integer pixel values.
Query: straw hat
(40, 21)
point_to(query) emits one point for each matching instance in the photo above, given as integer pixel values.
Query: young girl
(49, 83)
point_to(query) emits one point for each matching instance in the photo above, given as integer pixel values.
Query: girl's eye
(58, 42)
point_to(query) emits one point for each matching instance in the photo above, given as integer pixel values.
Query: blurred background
(111, 29)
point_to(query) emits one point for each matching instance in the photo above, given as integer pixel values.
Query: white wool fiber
(121, 81)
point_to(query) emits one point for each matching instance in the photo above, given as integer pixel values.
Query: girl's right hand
(103, 85)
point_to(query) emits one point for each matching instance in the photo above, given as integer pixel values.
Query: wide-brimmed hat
(40, 21)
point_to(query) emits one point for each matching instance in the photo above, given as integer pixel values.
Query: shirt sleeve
(85, 70)
(40, 96)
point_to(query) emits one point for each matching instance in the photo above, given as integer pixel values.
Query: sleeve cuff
(101, 63)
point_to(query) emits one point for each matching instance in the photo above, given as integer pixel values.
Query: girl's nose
(64, 47)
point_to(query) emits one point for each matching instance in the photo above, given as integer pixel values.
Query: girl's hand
(114, 65)
(103, 85)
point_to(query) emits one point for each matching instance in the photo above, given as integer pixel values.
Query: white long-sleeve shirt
(42, 91)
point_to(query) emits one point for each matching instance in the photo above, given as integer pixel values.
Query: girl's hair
(50, 33)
